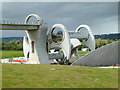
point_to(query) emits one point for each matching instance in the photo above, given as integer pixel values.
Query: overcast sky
(102, 17)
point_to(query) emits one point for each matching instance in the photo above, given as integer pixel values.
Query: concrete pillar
(37, 43)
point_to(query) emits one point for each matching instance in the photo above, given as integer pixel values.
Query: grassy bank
(57, 76)
(11, 54)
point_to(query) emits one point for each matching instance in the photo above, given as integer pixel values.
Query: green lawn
(83, 52)
(11, 54)
(57, 76)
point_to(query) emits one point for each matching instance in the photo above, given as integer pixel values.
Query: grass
(83, 52)
(57, 76)
(11, 54)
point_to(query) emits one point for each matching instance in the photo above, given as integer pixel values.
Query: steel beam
(18, 27)
(79, 35)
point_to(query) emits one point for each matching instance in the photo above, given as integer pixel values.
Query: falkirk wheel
(38, 44)
(41, 46)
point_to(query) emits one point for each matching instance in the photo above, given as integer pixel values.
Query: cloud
(71, 14)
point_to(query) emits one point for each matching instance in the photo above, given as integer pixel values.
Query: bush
(18, 44)
(99, 43)
(12, 45)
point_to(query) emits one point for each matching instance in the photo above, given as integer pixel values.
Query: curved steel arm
(91, 40)
(65, 45)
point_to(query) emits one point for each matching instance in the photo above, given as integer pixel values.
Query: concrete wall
(106, 55)
(38, 53)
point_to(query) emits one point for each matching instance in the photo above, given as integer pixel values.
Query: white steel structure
(38, 43)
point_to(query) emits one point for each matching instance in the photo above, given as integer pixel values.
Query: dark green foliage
(18, 44)
(102, 42)
(12, 45)
(112, 36)
(99, 43)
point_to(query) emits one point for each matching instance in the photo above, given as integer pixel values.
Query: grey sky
(102, 17)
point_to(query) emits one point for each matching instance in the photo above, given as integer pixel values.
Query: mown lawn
(83, 52)
(11, 54)
(57, 76)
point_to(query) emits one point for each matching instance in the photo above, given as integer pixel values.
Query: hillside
(7, 39)
(108, 36)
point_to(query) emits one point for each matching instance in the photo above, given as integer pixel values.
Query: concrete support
(90, 40)
(77, 35)
(65, 45)
(37, 43)
(75, 52)
(26, 48)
